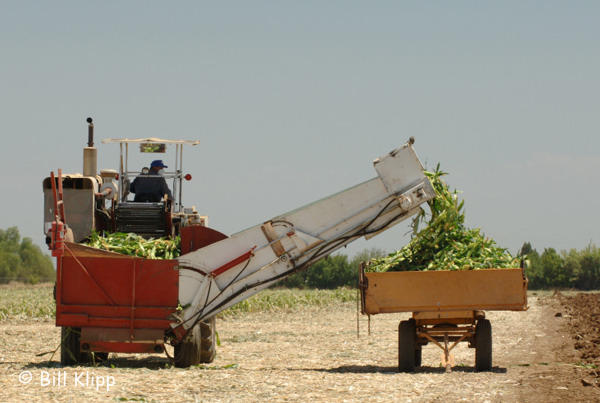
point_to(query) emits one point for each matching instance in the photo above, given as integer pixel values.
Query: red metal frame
(122, 347)
(121, 303)
(99, 289)
(57, 230)
(195, 237)
(233, 263)
(111, 339)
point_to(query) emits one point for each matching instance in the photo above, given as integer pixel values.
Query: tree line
(21, 260)
(578, 269)
(331, 272)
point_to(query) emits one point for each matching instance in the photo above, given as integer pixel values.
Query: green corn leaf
(441, 241)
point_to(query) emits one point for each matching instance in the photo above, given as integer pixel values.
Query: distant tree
(9, 239)
(35, 266)
(364, 256)
(10, 265)
(588, 271)
(571, 266)
(525, 249)
(331, 272)
(551, 264)
(21, 260)
(533, 270)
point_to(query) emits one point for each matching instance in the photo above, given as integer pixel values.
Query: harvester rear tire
(407, 345)
(483, 345)
(208, 347)
(100, 356)
(199, 346)
(70, 351)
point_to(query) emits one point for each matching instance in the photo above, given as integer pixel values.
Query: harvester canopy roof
(151, 140)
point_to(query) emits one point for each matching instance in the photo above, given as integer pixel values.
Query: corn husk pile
(445, 243)
(135, 245)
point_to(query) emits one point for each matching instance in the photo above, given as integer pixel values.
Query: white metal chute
(253, 259)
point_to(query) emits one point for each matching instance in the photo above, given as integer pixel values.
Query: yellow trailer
(447, 308)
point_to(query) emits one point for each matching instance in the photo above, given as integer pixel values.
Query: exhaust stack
(90, 153)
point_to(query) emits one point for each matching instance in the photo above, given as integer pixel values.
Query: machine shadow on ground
(362, 369)
(153, 363)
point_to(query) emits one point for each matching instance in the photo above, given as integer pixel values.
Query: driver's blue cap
(158, 163)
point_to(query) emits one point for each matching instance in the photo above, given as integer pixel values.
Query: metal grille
(145, 219)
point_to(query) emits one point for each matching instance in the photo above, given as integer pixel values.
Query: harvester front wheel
(407, 345)
(483, 345)
(199, 346)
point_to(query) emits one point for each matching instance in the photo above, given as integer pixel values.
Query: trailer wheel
(70, 352)
(418, 356)
(483, 345)
(199, 347)
(407, 345)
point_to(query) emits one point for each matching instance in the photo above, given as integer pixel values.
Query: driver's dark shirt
(150, 188)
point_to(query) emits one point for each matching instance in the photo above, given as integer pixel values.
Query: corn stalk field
(19, 301)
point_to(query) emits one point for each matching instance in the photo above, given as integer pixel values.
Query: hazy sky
(293, 100)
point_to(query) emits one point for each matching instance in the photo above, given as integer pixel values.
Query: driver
(151, 187)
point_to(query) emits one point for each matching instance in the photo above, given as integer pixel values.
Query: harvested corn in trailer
(135, 245)
(445, 243)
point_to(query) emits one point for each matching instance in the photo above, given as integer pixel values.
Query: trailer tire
(199, 346)
(418, 356)
(70, 351)
(407, 345)
(483, 345)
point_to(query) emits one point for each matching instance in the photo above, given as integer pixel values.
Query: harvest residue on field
(310, 352)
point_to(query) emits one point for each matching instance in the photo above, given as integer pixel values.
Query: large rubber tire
(208, 346)
(199, 346)
(100, 356)
(418, 356)
(407, 345)
(70, 352)
(483, 345)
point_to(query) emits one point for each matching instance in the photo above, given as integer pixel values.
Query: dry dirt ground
(583, 314)
(315, 355)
